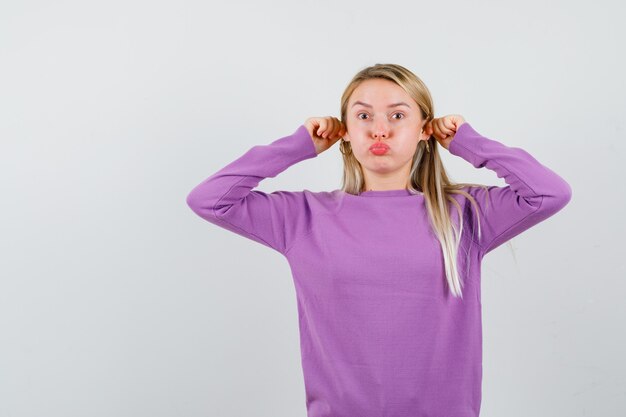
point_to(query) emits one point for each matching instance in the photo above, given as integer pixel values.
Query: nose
(381, 131)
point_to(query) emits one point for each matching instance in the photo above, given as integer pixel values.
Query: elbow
(566, 196)
(560, 197)
(203, 200)
(192, 202)
(200, 204)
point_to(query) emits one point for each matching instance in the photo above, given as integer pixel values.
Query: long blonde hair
(427, 173)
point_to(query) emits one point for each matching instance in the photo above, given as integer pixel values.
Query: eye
(359, 115)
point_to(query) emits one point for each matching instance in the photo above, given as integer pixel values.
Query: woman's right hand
(324, 131)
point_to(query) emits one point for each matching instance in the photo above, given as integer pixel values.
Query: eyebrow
(401, 103)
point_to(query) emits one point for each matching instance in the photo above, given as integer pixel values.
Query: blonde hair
(427, 173)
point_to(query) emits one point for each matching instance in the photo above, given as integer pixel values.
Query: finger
(337, 128)
(444, 130)
(344, 129)
(322, 127)
(329, 128)
(437, 128)
(449, 124)
(332, 129)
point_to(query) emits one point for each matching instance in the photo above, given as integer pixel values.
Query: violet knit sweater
(380, 333)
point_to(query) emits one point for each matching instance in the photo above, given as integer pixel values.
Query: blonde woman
(387, 268)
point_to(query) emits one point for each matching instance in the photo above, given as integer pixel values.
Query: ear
(424, 131)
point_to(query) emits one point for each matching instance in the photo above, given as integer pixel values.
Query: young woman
(387, 268)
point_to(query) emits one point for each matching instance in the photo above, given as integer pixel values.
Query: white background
(117, 300)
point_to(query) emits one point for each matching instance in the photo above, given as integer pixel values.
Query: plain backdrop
(117, 300)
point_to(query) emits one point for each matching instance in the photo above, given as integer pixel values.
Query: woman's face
(380, 111)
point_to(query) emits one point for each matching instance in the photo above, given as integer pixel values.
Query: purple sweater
(380, 333)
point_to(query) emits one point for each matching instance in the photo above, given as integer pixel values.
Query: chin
(381, 168)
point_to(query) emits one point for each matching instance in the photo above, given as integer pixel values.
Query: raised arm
(534, 192)
(227, 198)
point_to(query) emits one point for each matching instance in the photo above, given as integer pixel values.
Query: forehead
(380, 93)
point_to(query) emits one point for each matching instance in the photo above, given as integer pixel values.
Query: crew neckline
(388, 193)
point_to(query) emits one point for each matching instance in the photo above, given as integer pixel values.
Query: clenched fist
(444, 128)
(324, 131)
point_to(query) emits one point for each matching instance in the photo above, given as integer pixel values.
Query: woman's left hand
(444, 128)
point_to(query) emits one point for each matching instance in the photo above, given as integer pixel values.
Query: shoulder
(327, 202)
(472, 197)
(462, 191)
(314, 202)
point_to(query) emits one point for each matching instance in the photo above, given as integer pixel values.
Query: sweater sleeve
(227, 198)
(532, 194)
